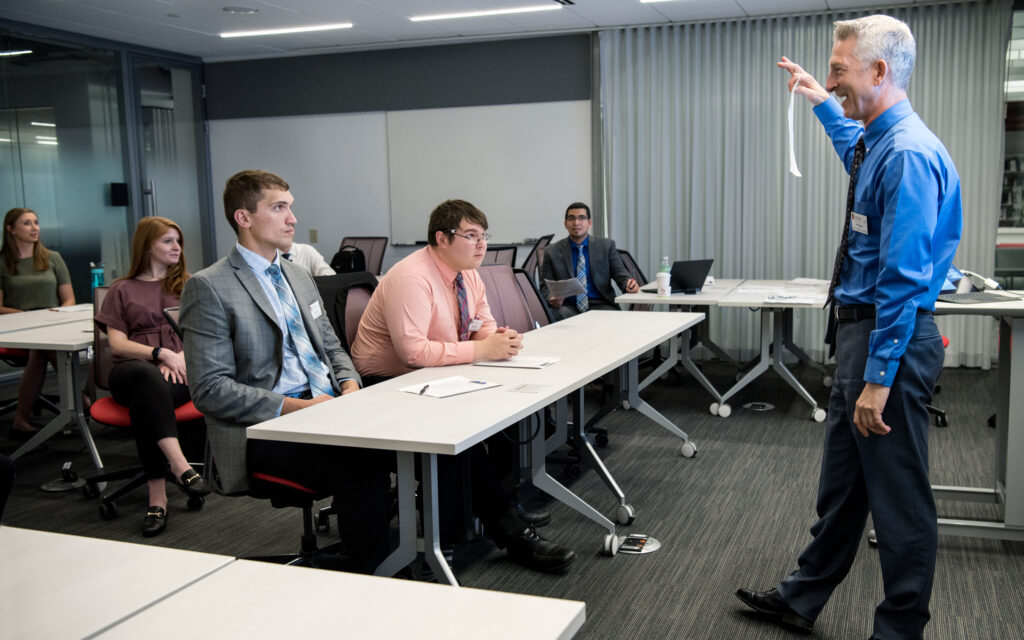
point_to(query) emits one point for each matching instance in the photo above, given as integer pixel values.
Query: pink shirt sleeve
(411, 317)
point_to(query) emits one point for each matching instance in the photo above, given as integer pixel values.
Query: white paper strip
(792, 154)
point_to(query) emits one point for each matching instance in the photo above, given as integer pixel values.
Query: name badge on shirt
(475, 324)
(314, 310)
(859, 222)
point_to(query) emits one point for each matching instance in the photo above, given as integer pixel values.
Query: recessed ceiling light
(46, 137)
(275, 32)
(491, 12)
(42, 124)
(52, 143)
(5, 139)
(243, 11)
(4, 54)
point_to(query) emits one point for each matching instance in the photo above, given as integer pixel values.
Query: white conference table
(381, 417)
(68, 339)
(44, 317)
(249, 599)
(60, 586)
(776, 300)
(1008, 481)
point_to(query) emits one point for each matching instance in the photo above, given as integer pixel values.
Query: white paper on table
(85, 306)
(792, 154)
(521, 362)
(789, 299)
(810, 281)
(447, 387)
(564, 288)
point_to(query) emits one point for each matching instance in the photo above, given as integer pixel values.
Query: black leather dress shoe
(771, 604)
(155, 521)
(530, 550)
(533, 518)
(193, 484)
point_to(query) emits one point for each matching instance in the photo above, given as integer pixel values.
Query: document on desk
(447, 387)
(85, 306)
(521, 362)
(564, 288)
(810, 281)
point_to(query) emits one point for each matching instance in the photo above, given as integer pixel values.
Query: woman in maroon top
(149, 371)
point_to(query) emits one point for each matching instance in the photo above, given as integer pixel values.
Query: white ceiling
(192, 26)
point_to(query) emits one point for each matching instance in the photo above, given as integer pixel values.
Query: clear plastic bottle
(96, 273)
(666, 265)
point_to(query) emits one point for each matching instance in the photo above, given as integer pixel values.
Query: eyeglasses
(576, 218)
(473, 237)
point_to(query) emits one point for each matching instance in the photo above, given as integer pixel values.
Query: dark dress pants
(151, 401)
(357, 478)
(886, 475)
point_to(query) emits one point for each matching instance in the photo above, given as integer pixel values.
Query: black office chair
(531, 265)
(501, 254)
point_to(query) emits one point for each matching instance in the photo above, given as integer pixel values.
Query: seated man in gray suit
(594, 261)
(257, 345)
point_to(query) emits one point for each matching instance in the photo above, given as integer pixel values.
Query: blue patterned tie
(582, 303)
(460, 294)
(316, 371)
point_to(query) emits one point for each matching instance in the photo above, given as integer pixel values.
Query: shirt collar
(586, 242)
(447, 273)
(255, 261)
(884, 122)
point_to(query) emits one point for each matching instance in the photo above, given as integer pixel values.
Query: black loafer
(530, 550)
(155, 521)
(193, 484)
(771, 604)
(533, 518)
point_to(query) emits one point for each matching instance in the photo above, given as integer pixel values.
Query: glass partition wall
(94, 137)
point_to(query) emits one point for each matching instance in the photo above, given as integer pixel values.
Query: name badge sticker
(859, 222)
(314, 310)
(475, 324)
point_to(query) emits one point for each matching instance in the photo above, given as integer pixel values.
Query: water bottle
(663, 278)
(96, 271)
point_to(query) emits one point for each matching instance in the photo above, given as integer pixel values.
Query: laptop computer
(688, 276)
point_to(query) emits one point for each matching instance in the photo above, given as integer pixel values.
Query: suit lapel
(252, 285)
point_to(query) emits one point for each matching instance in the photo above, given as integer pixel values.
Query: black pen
(424, 389)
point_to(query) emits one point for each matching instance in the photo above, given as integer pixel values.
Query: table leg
(431, 535)
(763, 360)
(71, 411)
(406, 551)
(787, 342)
(782, 320)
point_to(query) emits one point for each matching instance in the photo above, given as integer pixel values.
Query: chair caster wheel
(90, 491)
(108, 510)
(827, 382)
(625, 514)
(601, 439)
(941, 421)
(195, 503)
(572, 471)
(714, 408)
(818, 415)
(611, 544)
(688, 449)
(872, 538)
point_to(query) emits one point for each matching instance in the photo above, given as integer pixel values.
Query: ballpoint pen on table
(424, 389)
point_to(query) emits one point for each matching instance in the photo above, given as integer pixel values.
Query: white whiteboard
(521, 164)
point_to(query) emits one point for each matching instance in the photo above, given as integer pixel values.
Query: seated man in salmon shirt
(431, 310)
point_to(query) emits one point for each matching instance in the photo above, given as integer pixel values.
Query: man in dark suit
(594, 261)
(258, 345)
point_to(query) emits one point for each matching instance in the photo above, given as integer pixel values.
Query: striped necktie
(858, 157)
(460, 295)
(316, 370)
(582, 302)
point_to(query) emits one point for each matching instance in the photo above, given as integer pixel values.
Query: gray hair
(881, 37)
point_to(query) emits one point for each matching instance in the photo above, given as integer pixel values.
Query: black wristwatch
(156, 354)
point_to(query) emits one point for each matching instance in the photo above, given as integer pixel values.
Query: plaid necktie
(830, 332)
(460, 295)
(582, 303)
(316, 370)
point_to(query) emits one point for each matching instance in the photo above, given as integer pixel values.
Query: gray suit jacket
(605, 264)
(234, 354)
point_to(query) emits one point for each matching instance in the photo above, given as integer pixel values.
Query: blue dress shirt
(576, 248)
(909, 190)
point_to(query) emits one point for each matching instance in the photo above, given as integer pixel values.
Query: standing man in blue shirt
(902, 228)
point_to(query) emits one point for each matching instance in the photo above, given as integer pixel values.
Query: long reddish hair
(148, 231)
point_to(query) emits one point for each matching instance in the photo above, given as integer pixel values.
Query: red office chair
(107, 411)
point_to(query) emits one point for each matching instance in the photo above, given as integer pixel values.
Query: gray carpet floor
(736, 515)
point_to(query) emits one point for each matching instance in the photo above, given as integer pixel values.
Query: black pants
(357, 478)
(6, 480)
(483, 491)
(151, 401)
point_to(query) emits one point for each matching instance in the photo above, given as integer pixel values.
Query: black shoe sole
(560, 568)
(792, 621)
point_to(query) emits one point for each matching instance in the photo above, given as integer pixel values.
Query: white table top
(708, 295)
(68, 336)
(257, 600)
(59, 586)
(43, 318)
(776, 294)
(381, 417)
(1013, 308)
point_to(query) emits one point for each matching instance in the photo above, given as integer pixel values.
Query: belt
(858, 312)
(301, 395)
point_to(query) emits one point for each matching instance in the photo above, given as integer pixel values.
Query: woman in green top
(31, 277)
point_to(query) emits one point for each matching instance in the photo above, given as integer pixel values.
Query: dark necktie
(460, 295)
(830, 333)
(287, 256)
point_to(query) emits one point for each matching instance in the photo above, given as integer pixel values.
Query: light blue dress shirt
(909, 190)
